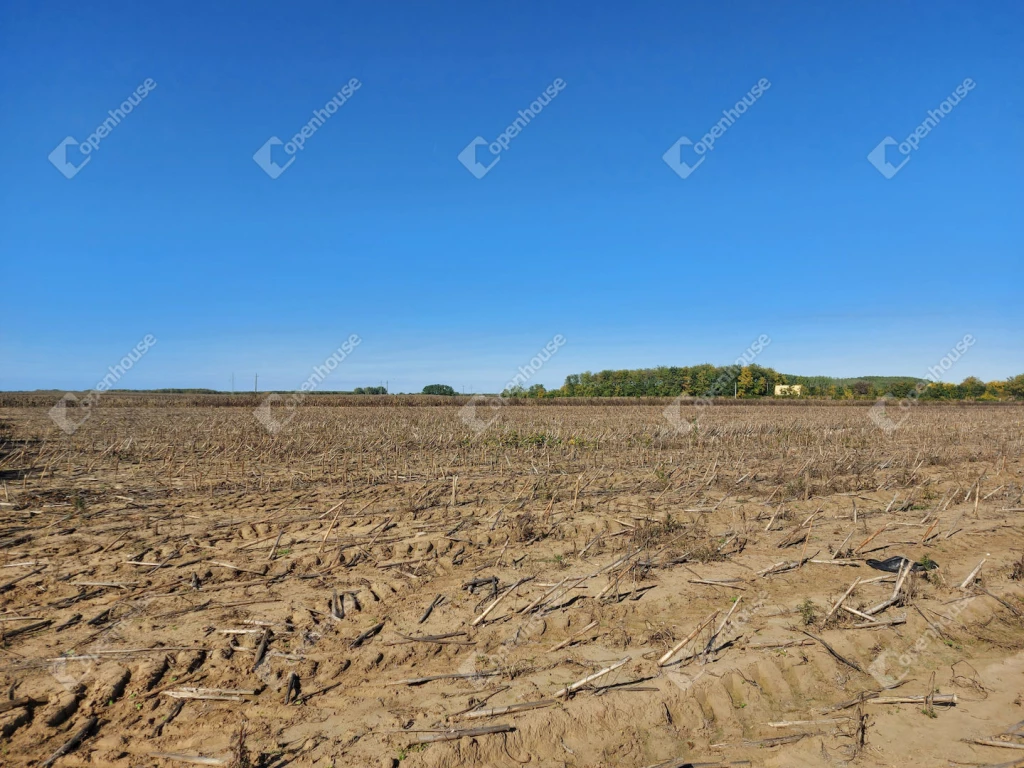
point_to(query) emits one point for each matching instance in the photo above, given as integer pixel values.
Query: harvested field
(580, 585)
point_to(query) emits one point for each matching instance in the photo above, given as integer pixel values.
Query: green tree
(901, 388)
(994, 390)
(863, 388)
(971, 387)
(1015, 387)
(438, 389)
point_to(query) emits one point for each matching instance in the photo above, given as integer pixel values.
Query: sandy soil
(159, 552)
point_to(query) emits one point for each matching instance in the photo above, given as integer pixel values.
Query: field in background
(142, 399)
(175, 575)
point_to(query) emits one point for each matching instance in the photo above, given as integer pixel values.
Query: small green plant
(404, 752)
(808, 611)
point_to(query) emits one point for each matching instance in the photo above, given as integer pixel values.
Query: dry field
(575, 586)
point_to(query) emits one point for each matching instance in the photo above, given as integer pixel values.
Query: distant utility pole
(256, 385)
(232, 382)
(735, 389)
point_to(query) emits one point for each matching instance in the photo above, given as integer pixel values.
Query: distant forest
(748, 381)
(752, 381)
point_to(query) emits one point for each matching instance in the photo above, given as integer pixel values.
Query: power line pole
(256, 385)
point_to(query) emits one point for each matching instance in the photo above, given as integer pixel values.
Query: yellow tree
(745, 382)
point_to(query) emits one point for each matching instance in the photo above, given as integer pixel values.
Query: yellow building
(789, 390)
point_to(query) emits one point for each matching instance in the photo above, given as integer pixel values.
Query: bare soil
(165, 550)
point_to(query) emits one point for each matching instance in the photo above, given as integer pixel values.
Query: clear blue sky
(581, 229)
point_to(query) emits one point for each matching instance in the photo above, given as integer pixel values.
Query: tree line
(755, 381)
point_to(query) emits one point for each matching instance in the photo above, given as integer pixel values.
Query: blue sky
(581, 229)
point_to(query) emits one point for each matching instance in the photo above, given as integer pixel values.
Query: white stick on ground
(680, 645)
(498, 600)
(572, 637)
(973, 575)
(590, 678)
(904, 572)
(841, 600)
(543, 597)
